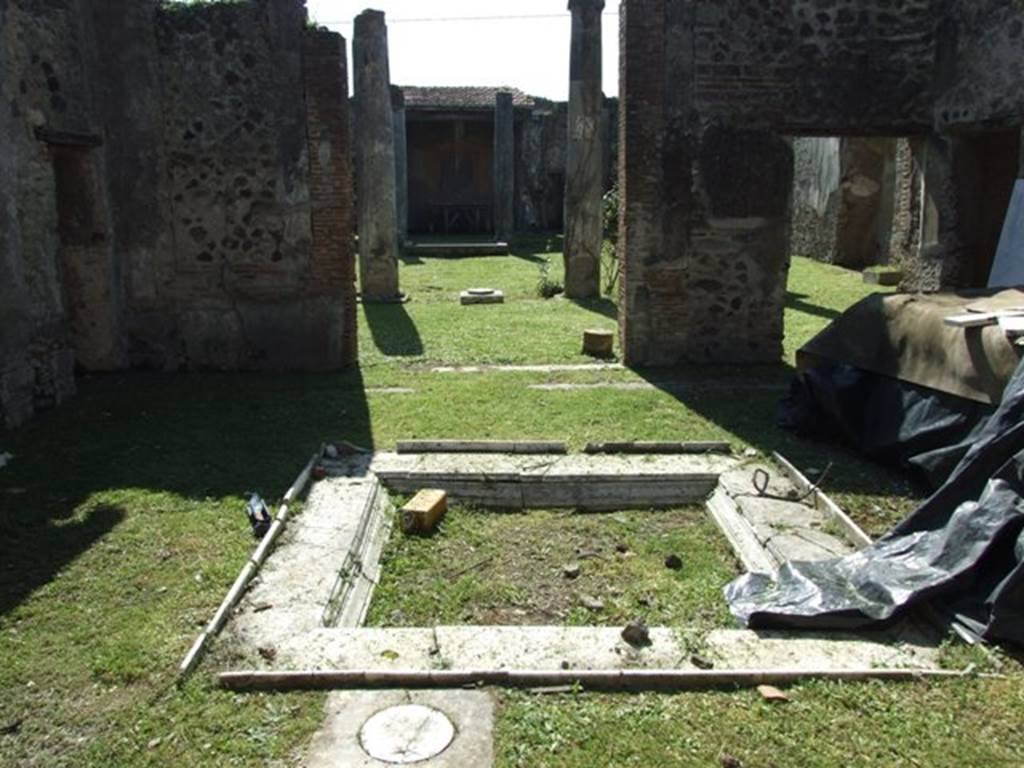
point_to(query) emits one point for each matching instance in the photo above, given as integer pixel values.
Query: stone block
(481, 296)
(424, 511)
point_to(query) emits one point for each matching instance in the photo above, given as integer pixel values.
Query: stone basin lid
(481, 291)
(406, 734)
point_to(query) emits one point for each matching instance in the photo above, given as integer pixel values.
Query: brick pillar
(332, 262)
(504, 166)
(401, 163)
(704, 210)
(641, 123)
(585, 154)
(375, 160)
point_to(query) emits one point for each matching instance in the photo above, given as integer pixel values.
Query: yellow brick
(424, 511)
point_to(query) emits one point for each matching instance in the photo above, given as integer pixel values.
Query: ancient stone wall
(817, 175)
(541, 143)
(175, 192)
(709, 87)
(44, 53)
(981, 66)
(540, 166)
(803, 66)
(248, 288)
(906, 239)
(856, 200)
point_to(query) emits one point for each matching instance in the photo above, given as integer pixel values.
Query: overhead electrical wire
(441, 19)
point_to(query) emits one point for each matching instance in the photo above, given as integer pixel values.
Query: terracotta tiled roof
(460, 97)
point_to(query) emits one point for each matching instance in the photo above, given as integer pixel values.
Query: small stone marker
(424, 511)
(598, 343)
(482, 296)
(591, 603)
(772, 694)
(406, 734)
(701, 662)
(637, 634)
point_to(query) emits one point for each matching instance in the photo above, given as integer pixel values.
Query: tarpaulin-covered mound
(962, 551)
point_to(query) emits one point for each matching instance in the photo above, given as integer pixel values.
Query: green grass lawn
(122, 528)
(488, 568)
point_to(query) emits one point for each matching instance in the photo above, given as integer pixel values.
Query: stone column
(585, 155)
(401, 163)
(861, 191)
(504, 166)
(375, 160)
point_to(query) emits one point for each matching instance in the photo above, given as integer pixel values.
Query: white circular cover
(406, 734)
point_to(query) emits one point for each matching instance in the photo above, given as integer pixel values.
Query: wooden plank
(663, 448)
(971, 319)
(480, 446)
(249, 570)
(620, 679)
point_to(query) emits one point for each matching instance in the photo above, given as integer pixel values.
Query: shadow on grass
(743, 400)
(796, 301)
(33, 554)
(603, 306)
(394, 333)
(533, 248)
(208, 436)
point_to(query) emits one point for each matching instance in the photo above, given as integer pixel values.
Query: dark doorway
(995, 156)
(87, 269)
(451, 176)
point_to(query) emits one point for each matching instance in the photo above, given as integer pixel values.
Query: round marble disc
(406, 734)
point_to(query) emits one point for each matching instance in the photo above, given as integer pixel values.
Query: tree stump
(598, 343)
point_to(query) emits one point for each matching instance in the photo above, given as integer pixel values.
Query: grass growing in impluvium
(541, 567)
(122, 526)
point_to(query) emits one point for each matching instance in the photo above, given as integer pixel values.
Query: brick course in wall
(330, 177)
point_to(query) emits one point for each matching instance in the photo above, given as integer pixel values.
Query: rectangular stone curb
(480, 446)
(754, 557)
(822, 502)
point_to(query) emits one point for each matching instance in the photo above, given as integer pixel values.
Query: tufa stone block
(424, 511)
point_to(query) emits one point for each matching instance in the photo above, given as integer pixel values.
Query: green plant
(546, 286)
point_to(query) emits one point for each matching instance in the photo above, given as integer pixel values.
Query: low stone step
(598, 648)
(457, 249)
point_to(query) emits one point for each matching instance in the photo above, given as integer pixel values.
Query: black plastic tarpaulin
(891, 421)
(962, 552)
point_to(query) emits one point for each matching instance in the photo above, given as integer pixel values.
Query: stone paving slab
(508, 466)
(671, 387)
(292, 590)
(554, 368)
(503, 648)
(337, 743)
(785, 522)
(580, 481)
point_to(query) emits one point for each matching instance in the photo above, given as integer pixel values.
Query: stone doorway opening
(86, 256)
(451, 175)
(857, 201)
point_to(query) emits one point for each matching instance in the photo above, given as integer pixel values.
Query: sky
(461, 48)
